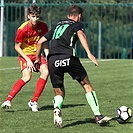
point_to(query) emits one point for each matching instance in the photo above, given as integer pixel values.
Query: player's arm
(83, 40)
(30, 65)
(43, 41)
(46, 49)
(40, 44)
(45, 46)
(20, 51)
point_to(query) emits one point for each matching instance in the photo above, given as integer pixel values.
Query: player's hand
(93, 59)
(30, 65)
(37, 64)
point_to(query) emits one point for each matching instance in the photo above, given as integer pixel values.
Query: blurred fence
(108, 27)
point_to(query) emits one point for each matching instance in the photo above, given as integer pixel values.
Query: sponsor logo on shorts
(62, 63)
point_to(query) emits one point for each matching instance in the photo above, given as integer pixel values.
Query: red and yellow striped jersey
(29, 37)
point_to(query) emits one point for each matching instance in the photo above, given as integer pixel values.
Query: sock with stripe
(15, 89)
(93, 102)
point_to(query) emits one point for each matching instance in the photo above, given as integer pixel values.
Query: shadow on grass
(47, 107)
(90, 120)
(50, 107)
(12, 111)
(130, 122)
(85, 121)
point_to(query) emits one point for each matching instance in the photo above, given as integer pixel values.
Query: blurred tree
(70, 1)
(116, 20)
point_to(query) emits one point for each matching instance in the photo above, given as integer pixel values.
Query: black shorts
(58, 65)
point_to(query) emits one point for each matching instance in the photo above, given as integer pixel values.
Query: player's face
(33, 19)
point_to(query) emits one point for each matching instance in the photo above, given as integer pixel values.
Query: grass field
(113, 84)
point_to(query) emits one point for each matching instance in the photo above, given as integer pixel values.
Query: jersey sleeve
(19, 36)
(49, 34)
(79, 26)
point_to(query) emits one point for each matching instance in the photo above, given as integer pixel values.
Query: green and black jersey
(63, 38)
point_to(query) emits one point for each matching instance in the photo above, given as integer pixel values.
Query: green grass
(112, 81)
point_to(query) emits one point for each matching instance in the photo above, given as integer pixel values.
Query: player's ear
(28, 17)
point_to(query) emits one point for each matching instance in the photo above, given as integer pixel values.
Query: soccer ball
(123, 114)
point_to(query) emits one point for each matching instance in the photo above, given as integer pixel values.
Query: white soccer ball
(123, 114)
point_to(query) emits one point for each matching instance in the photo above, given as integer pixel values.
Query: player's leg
(26, 76)
(39, 85)
(59, 97)
(90, 96)
(39, 88)
(57, 79)
(93, 101)
(77, 71)
(58, 102)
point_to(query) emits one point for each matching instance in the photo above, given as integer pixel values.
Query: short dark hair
(75, 10)
(34, 9)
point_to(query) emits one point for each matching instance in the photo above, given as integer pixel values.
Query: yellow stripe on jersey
(22, 25)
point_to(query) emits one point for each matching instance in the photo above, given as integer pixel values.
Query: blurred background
(108, 24)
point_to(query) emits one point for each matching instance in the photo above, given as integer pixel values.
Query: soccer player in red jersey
(27, 36)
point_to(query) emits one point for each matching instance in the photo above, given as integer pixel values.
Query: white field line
(11, 68)
(83, 62)
(104, 60)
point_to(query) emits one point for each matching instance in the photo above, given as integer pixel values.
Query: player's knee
(26, 78)
(44, 74)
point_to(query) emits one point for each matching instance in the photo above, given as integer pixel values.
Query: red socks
(39, 89)
(16, 88)
(20, 83)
